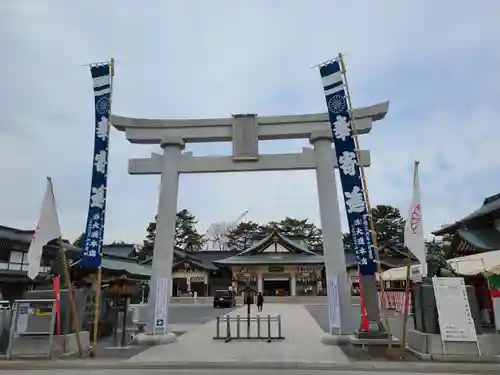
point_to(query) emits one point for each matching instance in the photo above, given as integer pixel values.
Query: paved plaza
(195, 314)
(320, 315)
(196, 352)
(302, 343)
(208, 372)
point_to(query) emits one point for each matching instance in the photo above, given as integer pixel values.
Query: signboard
(197, 279)
(276, 268)
(22, 320)
(454, 314)
(29, 318)
(161, 304)
(333, 303)
(496, 311)
(416, 274)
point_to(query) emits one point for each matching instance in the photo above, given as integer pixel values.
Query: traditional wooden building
(118, 260)
(274, 265)
(14, 245)
(475, 233)
(478, 232)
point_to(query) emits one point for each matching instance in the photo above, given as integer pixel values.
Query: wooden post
(340, 58)
(97, 308)
(408, 273)
(124, 323)
(71, 298)
(405, 300)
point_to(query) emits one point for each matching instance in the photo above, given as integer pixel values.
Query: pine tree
(186, 235)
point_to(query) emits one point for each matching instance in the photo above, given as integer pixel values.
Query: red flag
(57, 292)
(365, 324)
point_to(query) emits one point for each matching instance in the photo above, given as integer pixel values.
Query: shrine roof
(200, 259)
(491, 205)
(129, 267)
(273, 258)
(25, 236)
(120, 250)
(275, 237)
(485, 239)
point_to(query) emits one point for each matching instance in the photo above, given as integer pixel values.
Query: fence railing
(257, 327)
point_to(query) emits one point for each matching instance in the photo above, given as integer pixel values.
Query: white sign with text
(161, 304)
(454, 314)
(332, 289)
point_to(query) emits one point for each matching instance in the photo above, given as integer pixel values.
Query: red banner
(57, 292)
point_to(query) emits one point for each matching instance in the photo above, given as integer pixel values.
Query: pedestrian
(260, 302)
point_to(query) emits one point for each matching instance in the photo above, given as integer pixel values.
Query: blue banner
(94, 230)
(345, 149)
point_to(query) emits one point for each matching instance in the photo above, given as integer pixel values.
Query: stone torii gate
(244, 131)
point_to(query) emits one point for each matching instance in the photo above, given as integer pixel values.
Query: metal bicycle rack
(262, 328)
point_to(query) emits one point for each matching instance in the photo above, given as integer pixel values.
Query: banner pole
(408, 272)
(97, 307)
(71, 298)
(98, 286)
(367, 195)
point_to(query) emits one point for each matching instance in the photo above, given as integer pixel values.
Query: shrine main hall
(275, 265)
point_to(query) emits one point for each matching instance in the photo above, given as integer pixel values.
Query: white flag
(414, 234)
(47, 230)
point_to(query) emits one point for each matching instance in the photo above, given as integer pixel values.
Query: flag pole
(367, 196)
(67, 277)
(71, 297)
(97, 305)
(405, 300)
(408, 271)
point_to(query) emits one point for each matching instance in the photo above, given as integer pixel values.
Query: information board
(161, 304)
(33, 317)
(454, 314)
(332, 289)
(496, 312)
(22, 320)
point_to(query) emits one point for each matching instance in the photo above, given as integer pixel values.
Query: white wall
(272, 249)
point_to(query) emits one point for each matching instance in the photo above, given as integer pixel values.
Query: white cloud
(206, 59)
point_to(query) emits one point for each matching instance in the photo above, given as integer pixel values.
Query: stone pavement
(205, 372)
(122, 368)
(302, 343)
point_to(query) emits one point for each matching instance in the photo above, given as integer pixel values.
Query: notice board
(454, 313)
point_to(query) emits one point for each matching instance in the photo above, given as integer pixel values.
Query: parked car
(224, 298)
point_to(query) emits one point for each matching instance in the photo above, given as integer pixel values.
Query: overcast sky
(437, 62)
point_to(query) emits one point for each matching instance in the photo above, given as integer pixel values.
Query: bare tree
(216, 236)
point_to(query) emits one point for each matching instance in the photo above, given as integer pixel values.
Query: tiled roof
(198, 259)
(486, 239)
(121, 250)
(273, 258)
(491, 205)
(128, 266)
(131, 268)
(25, 236)
(282, 240)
